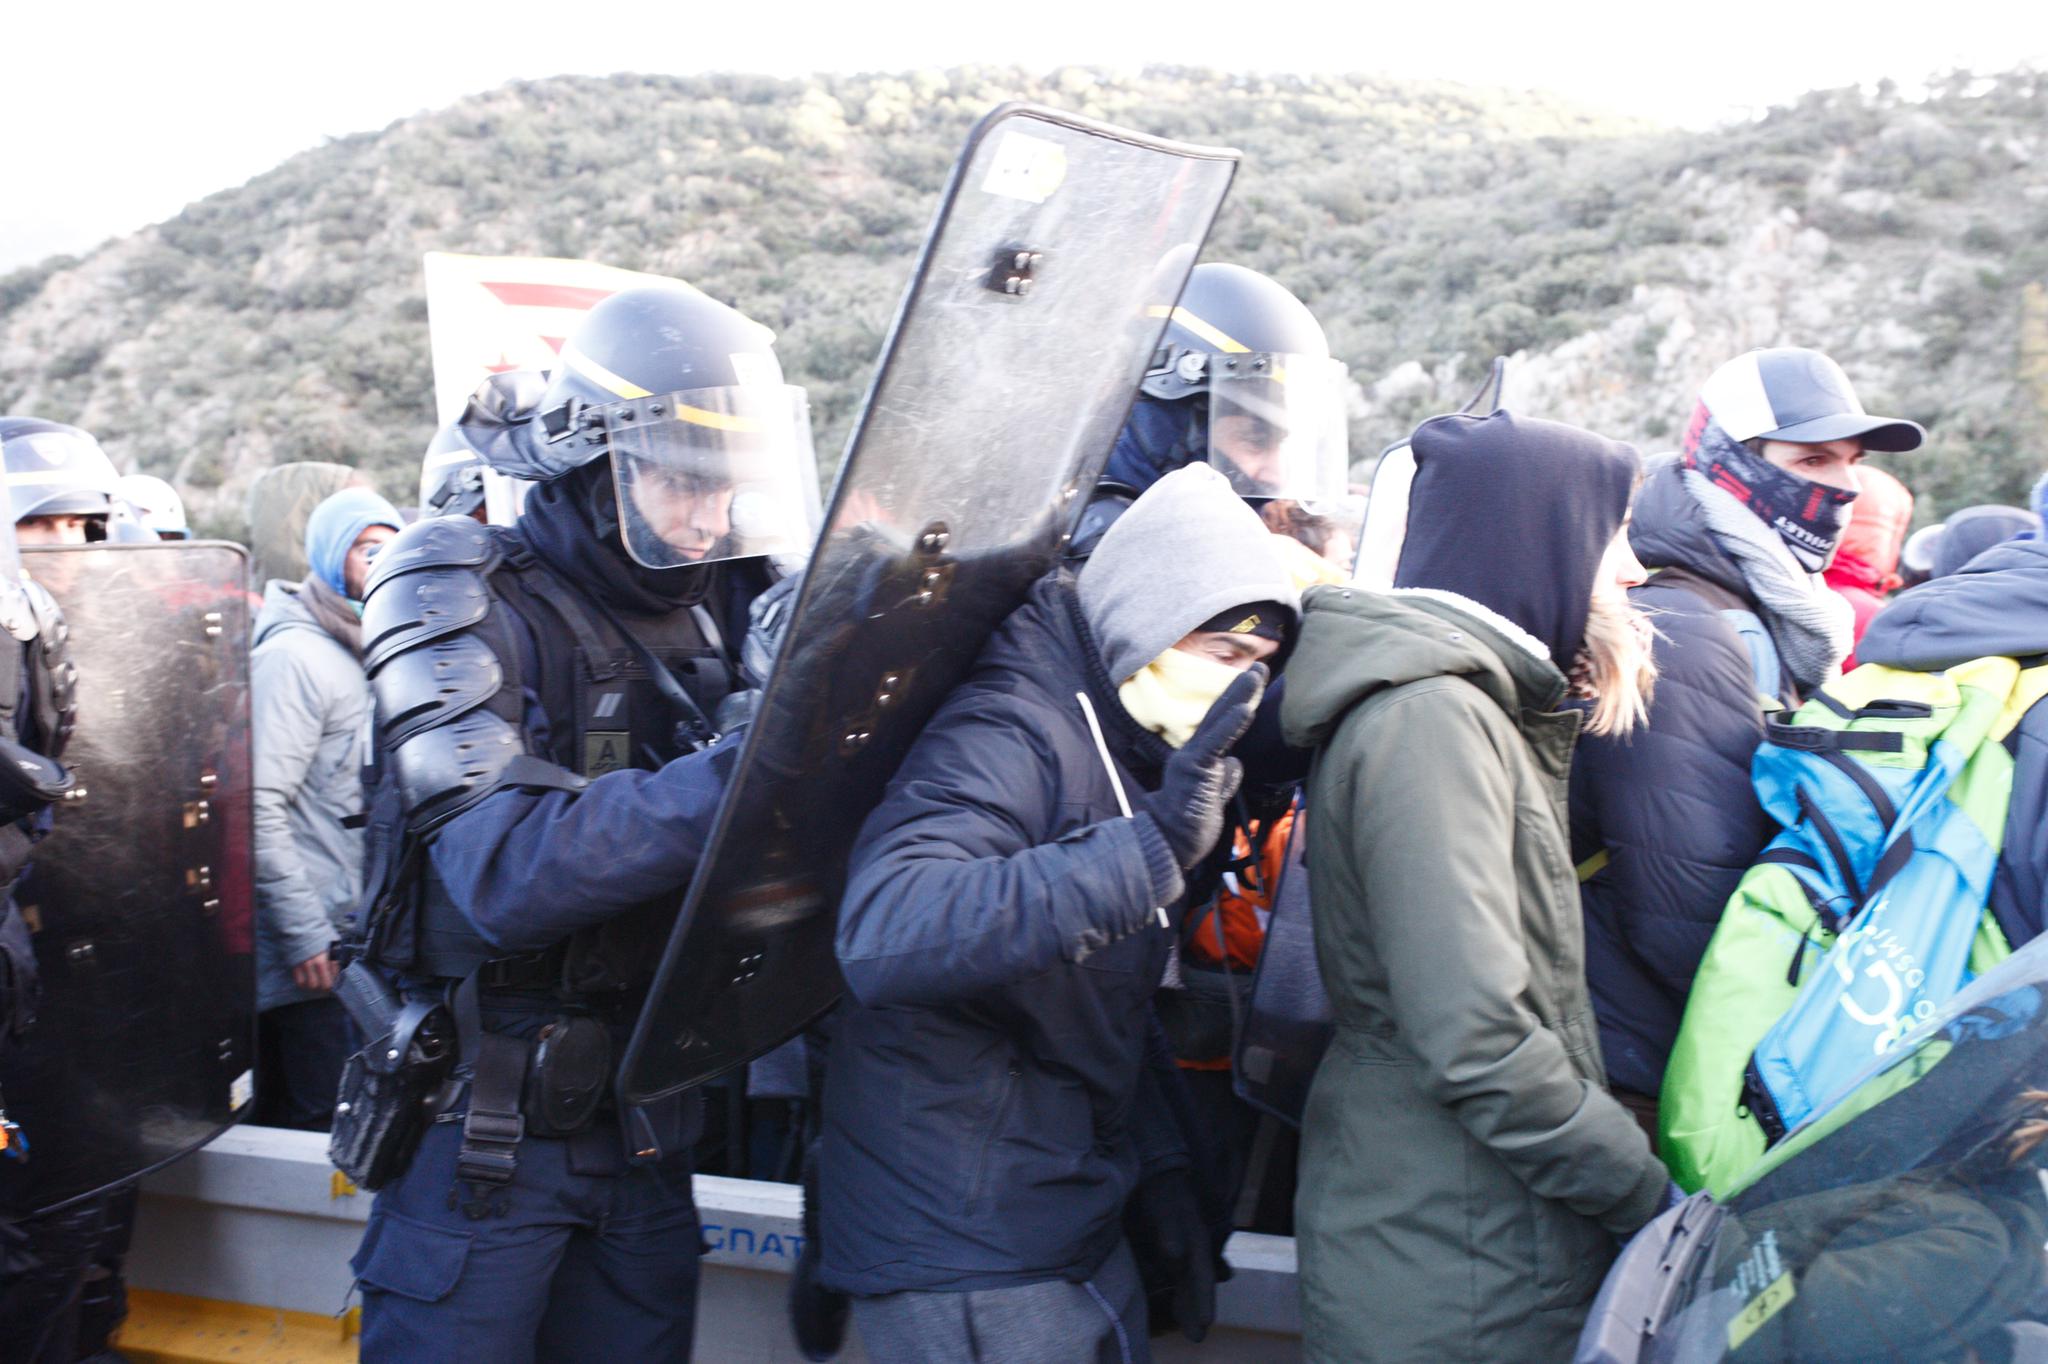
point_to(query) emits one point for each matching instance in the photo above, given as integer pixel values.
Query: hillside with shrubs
(1430, 226)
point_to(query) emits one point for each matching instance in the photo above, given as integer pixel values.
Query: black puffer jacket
(1996, 605)
(1667, 815)
(988, 1105)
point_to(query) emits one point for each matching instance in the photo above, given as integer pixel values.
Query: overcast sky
(119, 114)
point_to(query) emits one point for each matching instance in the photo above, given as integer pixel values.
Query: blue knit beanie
(332, 529)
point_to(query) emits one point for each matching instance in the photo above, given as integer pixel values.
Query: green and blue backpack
(1860, 919)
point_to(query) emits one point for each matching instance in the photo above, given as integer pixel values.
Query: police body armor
(463, 623)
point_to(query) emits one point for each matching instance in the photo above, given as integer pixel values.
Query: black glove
(1199, 780)
(1171, 1245)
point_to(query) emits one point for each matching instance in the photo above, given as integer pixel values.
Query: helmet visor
(1276, 425)
(714, 473)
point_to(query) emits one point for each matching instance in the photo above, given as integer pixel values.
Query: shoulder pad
(432, 683)
(444, 769)
(428, 584)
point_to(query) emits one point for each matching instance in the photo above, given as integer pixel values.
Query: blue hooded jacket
(1996, 605)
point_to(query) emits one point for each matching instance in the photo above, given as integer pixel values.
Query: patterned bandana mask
(1809, 517)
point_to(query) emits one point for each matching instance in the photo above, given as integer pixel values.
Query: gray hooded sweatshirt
(309, 717)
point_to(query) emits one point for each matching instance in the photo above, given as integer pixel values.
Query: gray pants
(1101, 1321)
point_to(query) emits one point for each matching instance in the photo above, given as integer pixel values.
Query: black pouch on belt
(568, 1078)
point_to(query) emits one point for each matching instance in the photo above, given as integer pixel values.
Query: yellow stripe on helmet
(1224, 343)
(599, 375)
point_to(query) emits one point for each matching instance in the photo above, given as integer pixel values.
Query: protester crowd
(1521, 780)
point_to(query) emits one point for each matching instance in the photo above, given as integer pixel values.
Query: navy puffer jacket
(989, 1104)
(1996, 605)
(1667, 814)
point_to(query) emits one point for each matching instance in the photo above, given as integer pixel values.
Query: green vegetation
(1430, 226)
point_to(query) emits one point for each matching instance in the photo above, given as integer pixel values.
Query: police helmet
(54, 469)
(710, 449)
(451, 475)
(1275, 398)
(156, 505)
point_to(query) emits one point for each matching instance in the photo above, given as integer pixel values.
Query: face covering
(1809, 517)
(1171, 694)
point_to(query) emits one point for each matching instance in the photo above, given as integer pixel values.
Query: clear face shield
(1277, 426)
(714, 473)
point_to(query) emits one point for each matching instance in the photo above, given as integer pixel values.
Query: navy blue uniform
(552, 891)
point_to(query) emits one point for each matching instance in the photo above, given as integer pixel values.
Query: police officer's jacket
(548, 819)
(989, 1100)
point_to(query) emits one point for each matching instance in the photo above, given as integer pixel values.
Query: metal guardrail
(260, 1217)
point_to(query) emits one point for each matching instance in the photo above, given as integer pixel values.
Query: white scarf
(1813, 627)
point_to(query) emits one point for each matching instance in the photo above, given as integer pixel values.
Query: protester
(993, 1094)
(1995, 606)
(309, 705)
(1459, 1122)
(1737, 529)
(1864, 571)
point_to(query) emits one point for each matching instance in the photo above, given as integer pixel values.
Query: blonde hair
(1619, 666)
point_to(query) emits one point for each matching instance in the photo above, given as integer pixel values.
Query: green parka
(1465, 1173)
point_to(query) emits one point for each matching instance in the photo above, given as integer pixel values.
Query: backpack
(1860, 919)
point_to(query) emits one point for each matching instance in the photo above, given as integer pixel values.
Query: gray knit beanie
(1188, 549)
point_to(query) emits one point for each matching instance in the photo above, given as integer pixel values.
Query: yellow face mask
(1171, 694)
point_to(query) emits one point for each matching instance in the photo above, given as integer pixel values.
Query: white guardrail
(260, 1217)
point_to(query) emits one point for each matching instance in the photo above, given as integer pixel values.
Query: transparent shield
(1386, 519)
(1277, 427)
(140, 898)
(716, 473)
(1011, 366)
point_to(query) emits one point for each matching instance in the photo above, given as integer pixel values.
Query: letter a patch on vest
(604, 750)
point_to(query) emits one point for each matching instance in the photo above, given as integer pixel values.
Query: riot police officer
(547, 699)
(1242, 380)
(50, 1285)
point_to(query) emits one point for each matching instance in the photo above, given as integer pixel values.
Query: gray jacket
(309, 716)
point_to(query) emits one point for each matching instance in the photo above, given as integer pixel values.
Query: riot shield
(140, 897)
(1059, 248)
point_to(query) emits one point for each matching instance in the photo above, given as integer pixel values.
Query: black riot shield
(1059, 249)
(140, 897)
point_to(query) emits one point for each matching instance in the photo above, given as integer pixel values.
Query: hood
(1188, 549)
(1045, 646)
(282, 610)
(1997, 606)
(1876, 533)
(1848, 570)
(1516, 513)
(1669, 530)
(1355, 643)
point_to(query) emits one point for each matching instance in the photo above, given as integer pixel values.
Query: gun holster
(387, 1089)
